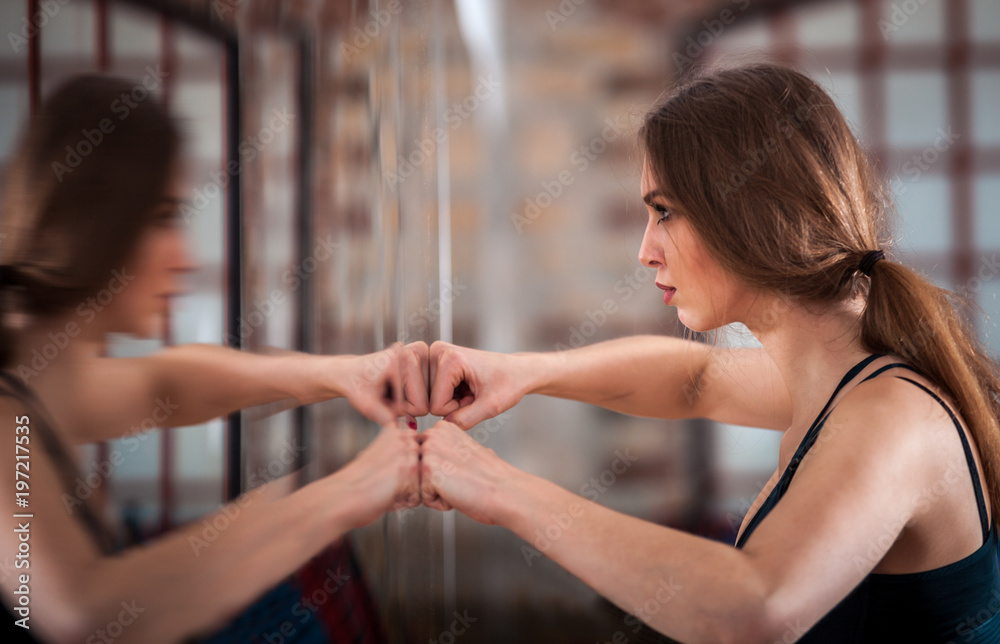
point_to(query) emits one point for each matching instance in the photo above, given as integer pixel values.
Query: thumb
(470, 415)
(376, 409)
(443, 388)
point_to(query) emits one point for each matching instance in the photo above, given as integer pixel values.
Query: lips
(668, 292)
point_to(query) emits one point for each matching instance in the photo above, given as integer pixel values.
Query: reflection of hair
(765, 169)
(80, 191)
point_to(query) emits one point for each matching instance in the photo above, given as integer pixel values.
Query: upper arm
(117, 397)
(851, 497)
(742, 387)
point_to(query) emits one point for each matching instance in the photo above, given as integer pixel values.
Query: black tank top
(956, 603)
(41, 430)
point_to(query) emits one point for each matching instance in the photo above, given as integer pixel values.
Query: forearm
(650, 376)
(196, 578)
(207, 381)
(687, 587)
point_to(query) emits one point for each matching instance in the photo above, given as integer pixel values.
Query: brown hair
(769, 175)
(81, 189)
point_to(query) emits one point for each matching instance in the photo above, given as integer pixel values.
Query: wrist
(342, 504)
(333, 376)
(539, 371)
(514, 501)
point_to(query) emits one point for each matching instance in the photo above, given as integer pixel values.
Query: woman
(877, 525)
(107, 227)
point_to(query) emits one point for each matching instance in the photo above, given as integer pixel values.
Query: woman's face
(154, 274)
(706, 296)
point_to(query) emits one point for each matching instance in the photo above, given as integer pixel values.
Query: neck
(51, 353)
(813, 347)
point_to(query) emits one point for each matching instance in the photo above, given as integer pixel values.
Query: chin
(151, 329)
(698, 324)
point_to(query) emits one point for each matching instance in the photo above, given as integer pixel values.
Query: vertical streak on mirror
(444, 264)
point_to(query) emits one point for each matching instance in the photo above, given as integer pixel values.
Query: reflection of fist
(416, 385)
(470, 386)
(457, 472)
(387, 384)
(385, 475)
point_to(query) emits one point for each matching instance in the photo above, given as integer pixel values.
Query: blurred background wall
(366, 172)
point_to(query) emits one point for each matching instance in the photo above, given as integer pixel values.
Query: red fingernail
(413, 425)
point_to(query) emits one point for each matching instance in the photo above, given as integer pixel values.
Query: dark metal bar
(34, 58)
(233, 255)
(304, 340)
(203, 18)
(167, 496)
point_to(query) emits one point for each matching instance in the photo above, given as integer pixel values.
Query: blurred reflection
(428, 169)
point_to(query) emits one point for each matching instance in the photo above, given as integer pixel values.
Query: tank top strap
(820, 419)
(800, 452)
(66, 468)
(970, 460)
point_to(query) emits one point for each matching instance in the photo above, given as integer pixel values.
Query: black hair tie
(869, 260)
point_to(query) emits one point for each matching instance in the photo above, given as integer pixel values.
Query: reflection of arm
(858, 486)
(191, 580)
(665, 377)
(194, 383)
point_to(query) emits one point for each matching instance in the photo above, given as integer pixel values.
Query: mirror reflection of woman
(116, 217)
(878, 524)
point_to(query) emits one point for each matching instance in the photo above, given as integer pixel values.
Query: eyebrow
(170, 202)
(653, 194)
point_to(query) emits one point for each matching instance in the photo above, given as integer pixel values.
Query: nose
(649, 254)
(181, 259)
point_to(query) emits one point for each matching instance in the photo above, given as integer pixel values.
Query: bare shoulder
(900, 420)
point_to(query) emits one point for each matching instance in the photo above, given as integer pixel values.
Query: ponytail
(908, 316)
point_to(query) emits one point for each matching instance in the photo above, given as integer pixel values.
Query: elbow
(763, 627)
(86, 613)
(753, 618)
(64, 621)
